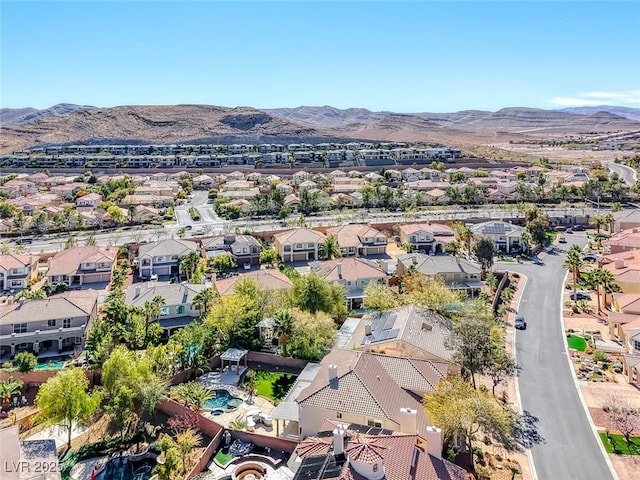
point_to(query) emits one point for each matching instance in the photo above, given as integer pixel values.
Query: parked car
(579, 228)
(520, 323)
(580, 296)
(590, 257)
(569, 231)
(562, 240)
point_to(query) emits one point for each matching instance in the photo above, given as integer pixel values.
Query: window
(19, 328)
(298, 246)
(51, 323)
(66, 323)
(374, 423)
(164, 311)
(310, 245)
(413, 238)
(15, 283)
(180, 309)
(338, 414)
(104, 265)
(16, 271)
(636, 345)
(287, 248)
(375, 467)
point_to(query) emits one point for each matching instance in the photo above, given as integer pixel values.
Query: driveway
(569, 450)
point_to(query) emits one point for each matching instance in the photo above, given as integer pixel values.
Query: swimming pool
(51, 365)
(222, 401)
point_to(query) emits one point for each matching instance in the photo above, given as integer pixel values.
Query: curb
(525, 279)
(593, 426)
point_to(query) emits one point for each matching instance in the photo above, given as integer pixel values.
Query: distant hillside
(14, 116)
(154, 124)
(626, 112)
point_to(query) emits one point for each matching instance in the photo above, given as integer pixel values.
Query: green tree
(185, 442)
(204, 299)
(268, 256)
(189, 263)
(501, 366)
(312, 335)
(90, 240)
(573, 263)
(430, 293)
(312, 294)
(193, 394)
(65, 399)
(462, 412)
(8, 389)
(598, 221)
(329, 249)
(472, 344)
(379, 296)
(483, 250)
(26, 361)
(224, 262)
(283, 328)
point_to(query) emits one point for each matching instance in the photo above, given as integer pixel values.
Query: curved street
(627, 174)
(569, 449)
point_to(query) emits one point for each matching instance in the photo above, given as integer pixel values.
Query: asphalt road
(569, 450)
(209, 222)
(627, 174)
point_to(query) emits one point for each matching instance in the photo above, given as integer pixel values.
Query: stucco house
(299, 244)
(505, 236)
(48, 327)
(427, 237)
(244, 249)
(163, 257)
(82, 265)
(269, 279)
(17, 270)
(358, 240)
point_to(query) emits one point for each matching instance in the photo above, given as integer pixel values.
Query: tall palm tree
(329, 249)
(597, 279)
(8, 388)
(598, 221)
(609, 220)
(203, 300)
(609, 284)
(152, 310)
(573, 263)
(189, 263)
(283, 328)
(526, 242)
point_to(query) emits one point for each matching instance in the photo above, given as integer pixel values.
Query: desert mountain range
(68, 123)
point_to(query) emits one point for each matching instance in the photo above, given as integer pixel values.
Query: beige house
(82, 265)
(244, 249)
(368, 389)
(50, 327)
(89, 201)
(298, 245)
(359, 240)
(353, 274)
(624, 241)
(625, 269)
(17, 270)
(269, 279)
(427, 237)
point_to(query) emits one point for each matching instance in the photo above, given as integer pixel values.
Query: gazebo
(233, 355)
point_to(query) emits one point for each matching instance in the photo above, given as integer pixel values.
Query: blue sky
(399, 56)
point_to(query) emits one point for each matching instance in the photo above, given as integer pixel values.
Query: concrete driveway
(569, 449)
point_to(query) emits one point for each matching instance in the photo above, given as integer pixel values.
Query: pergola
(234, 355)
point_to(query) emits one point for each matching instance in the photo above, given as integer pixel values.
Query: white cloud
(630, 98)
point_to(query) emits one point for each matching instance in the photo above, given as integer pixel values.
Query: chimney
(338, 440)
(634, 230)
(619, 263)
(333, 372)
(10, 300)
(340, 271)
(434, 442)
(367, 346)
(408, 420)
(367, 328)
(137, 291)
(457, 259)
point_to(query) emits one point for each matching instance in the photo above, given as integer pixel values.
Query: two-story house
(359, 240)
(353, 273)
(244, 249)
(298, 245)
(17, 270)
(427, 237)
(89, 201)
(82, 265)
(457, 273)
(48, 327)
(506, 236)
(177, 311)
(163, 257)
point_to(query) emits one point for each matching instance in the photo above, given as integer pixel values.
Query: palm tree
(189, 263)
(609, 220)
(185, 442)
(526, 239)
(7, 389)
(283, 328)
(609, 284)
(598, 221)
(596, 276)
(152, 310)
(193, 394)
(203, 300)
(329, 249)
(573, 263)
(464, 234)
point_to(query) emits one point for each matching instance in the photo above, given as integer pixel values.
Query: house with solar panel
(506, 236)
(408, 331)
(367, 388)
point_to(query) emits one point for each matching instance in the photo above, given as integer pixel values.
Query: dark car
(580, 296)
(590, 257)
(24, 241)
(520, 323)
(579, 228)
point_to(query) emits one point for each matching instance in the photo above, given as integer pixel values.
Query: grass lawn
(223, 458)
(577, 343)
(621, 445)
(274, 386)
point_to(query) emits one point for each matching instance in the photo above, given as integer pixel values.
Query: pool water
(118, 469)
(52, 365)
(222, 401)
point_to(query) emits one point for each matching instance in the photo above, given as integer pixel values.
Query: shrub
(26, 361)
(600, 356)
(450, 454)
